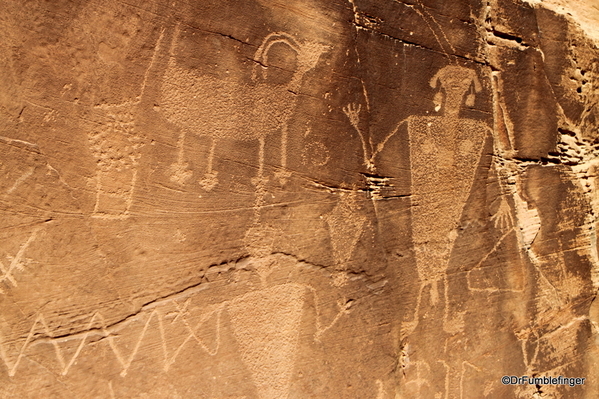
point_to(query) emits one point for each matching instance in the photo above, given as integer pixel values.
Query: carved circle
(316, 153)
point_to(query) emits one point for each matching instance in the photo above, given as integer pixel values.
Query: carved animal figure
(231, 109)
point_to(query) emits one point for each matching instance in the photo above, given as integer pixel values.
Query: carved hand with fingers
(502, 219)
(353, 114)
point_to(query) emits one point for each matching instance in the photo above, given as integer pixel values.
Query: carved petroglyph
(463, 374)
(111, 390)
(480, 287)
(229, 109)
(20, 180)
(115, 145)
(369, 151)
(527, 223)
(316, 153)
(259, 240)
(352, 111)
(445, 152)
(519, 220)
(381, 389)
(11, 141)
(97, 327)
(12, 368)
(429, 134)
(16, 263)
(346, 226)
(266, 326)
(265, 322)
(424, 14)
(554, 330)
(415, 384)
(550, 349)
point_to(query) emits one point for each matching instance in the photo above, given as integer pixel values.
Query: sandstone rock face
(285, 199)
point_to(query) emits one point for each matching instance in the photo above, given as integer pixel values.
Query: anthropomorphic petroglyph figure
(231, 109)
(346, 226)
(116, 145)
(537, 221)
(445, 151)
(266, 321)
(445, 154)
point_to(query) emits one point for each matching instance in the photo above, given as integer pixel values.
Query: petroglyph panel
(297, 199)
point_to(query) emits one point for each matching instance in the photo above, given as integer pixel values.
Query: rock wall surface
(284, 199)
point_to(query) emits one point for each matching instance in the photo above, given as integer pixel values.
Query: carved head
(308, 54)
(259, 240)
(455, 82)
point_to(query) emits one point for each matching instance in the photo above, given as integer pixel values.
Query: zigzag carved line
(108, 333)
